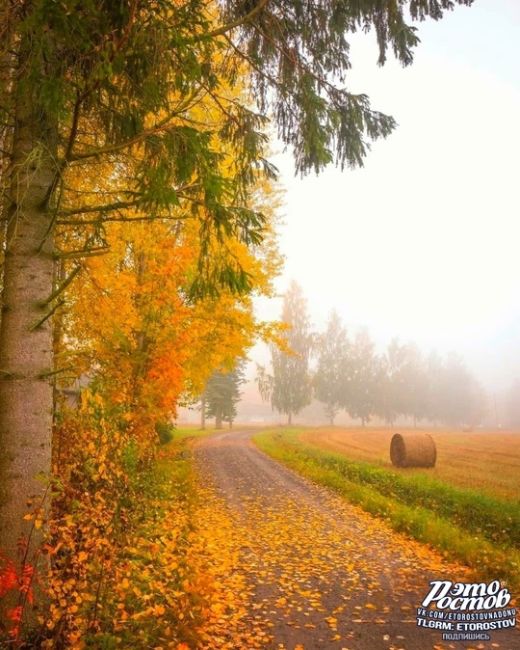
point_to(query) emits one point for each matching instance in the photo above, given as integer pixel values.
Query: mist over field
(421, 243)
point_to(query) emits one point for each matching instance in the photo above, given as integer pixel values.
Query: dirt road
(324, 574)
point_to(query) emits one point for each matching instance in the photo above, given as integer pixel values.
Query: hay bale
(413, 450)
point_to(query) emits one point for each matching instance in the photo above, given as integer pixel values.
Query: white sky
(424, 242)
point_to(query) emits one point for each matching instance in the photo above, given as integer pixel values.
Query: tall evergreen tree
(329, 379)
(291, 382)
(222, 395)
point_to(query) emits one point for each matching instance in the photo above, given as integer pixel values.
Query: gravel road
(323, 573)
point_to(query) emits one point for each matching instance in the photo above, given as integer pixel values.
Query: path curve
(325, 574)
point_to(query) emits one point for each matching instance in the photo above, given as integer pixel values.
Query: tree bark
(26, 349)
(203, 412)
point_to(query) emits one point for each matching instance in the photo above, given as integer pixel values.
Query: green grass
(472, 527)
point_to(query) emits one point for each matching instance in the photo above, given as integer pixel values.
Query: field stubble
(485, 460)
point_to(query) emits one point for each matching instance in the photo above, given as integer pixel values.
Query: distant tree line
(345, 373)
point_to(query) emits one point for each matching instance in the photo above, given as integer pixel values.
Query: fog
(422, 243)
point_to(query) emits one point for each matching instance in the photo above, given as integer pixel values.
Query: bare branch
(73, 129)
(94, 222)
(61, 288)
(108, 207)
(236, 23)
(42, 320)
(51, 373)
(85, 252)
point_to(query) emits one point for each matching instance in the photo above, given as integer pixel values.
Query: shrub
(165, 431)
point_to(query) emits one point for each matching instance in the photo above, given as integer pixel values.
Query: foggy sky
(423, 243)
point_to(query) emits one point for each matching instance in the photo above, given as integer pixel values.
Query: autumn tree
(134, 330)
(222, 394)
(332, 350)
(89, 86)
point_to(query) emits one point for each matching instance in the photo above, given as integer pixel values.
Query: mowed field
(487, 461)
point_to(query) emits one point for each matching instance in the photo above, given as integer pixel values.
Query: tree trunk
(289, 418)
(8, 59)
(26, 345)
(203, 412)
(218, 421)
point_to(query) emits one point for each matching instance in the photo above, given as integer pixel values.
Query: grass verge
(466, 525)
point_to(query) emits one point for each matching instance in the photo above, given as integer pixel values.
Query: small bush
(165, 431)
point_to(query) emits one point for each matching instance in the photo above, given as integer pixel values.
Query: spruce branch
(162, 125)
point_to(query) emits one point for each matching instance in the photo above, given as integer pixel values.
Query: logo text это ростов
(462, 596)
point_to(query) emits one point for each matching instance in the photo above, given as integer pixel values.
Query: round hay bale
(413, 450)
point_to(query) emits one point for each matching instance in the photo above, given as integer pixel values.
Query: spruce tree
(222, 395)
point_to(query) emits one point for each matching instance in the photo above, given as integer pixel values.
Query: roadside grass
(473, 527)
